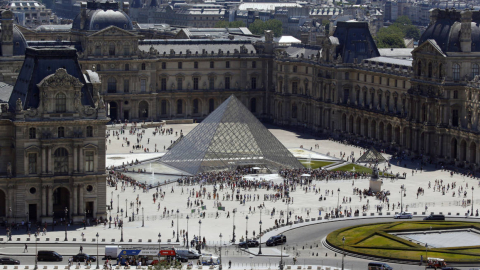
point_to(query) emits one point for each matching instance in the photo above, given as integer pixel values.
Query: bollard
(317, 254)
(310, 247)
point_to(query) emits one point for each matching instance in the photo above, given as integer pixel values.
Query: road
(301, 241)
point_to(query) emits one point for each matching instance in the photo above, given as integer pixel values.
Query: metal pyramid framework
(229, 137)
(372, 155)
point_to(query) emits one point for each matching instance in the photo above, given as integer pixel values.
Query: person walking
(81, 249)
(229, 264)
(25, 249)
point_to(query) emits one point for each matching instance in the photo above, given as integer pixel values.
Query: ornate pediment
(429, 47)
(60, 79)
(113, 31)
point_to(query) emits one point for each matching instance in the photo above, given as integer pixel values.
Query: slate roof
(19, 42)
(5, 92)
(403, 53)
(195, 45)
(40, 63)
(101, 15)
(355, 41)
(297, 49)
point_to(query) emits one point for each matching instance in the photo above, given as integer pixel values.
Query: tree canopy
(258, 27)
(225, 24)
(392, 36)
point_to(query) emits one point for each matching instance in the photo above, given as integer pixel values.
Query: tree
(390, 37)
(403, 20)
(258, 27)
(225, 24)
(221, 24)
(412, 32)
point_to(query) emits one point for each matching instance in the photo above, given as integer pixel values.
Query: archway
(344, 122)
(113, 110)
(453, 148)
(350, 124)
(473, 152)
(373, 128)
(463, 150)
(3, 204)
(397, 135)
(61, 200)
(389, 133)
(365, 128)
(405, 136)
(359, 124)
(253, 105)
(179, 106)
(422, 144)
(381, 128)
(211, 105)
(143, 110)
(280, 110)
(196, 106)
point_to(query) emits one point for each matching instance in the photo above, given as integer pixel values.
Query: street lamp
(200, 234)
(177, 226)
(246, 228)
(338, 201)
(402, 192)
(471, 214)
(288, 212)
(233, 240)
(36, 255)
(110, 219)
(118, 203)
(121, 228)
(66, 213)
(260, 235)
(28, 217)
(426, 253)
(187, 230)
(343, 256)
(126, 211)
(143, 219)
(220, 267)
(159, 240)
(97, 251)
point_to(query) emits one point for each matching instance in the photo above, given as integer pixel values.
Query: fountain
(309, 161)
(353, 169)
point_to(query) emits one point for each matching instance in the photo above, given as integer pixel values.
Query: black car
(82, 257)
(182, 258)
(9, 261)
(435, 217)
(249, 243)
(276, 240)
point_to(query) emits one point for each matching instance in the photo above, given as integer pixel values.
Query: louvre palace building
(421, 102)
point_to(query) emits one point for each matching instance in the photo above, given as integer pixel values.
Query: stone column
(50, 163)
(81, 204)
(81, 161)
(75, 162)
(75, 200)
(44, 201)
(50, 201)
(44, 160)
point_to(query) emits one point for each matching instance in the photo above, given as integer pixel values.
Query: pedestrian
(25, 249)
(229, 264)
(81, 249)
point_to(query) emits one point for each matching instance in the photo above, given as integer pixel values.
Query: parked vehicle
(111, 252)
(209, 259)
(187, 253)
(82, 257)
(436, 263)
(403, 215)
(435, 217)
(9, 261)
(379, 266)
(249, 243)
(276, 240)
(49, 256)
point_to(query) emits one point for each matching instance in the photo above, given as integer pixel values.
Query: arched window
(456, 72)
(32, 133)
(60, 161)
(474, 70)
(419, 68)
(211, 105)
(111, 49)
(61, 132)
(195, 106)
(60, 103)
(253, 105)
(89, 131)
(127, 67)
(112, 85)
(179, 106)
(98, 67)
(294, 110)
(143, 66)
(430, 69)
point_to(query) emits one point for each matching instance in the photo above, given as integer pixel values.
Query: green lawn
(349, 168)
(375, 240)
(315, 164)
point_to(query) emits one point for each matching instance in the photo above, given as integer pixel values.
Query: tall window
(254, 64)
(61, 132)
(227, 83)
(195, 64)
(126, 86)
(294, 87)
(179, 84)
(89, 131)
(294, 110)
(227, 64)
(112, 85)
(111, 50)
(195, 83)
(163, 84)
(254, 82)
(164, 107)
(180, 65)
(32, 133)
(430, 70)
(60, 103)
(474, 70)
(60, 158)
(211, 83)
(164, 65)
(98, 50)
(144, 66)
(32, 163)
(455, 118)
(127, 67)
(89, 161)
(294, 68)
(179, 106)
(212, 64)
(456, 72)
(98, 67)
(211, 105)
(195, 106)
(143, 85)
(126, 50)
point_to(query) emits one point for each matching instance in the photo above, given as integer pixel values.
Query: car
(403, 215)
(379, 266)
(435, 217)
(187, 253)
(450, 268)
(276, 240)
(82, 257)
(249, 243)
(181, 258)
(49, 256)
(8, 261)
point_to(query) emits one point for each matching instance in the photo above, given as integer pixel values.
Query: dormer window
(60, 103)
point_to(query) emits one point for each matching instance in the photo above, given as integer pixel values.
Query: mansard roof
(355, 41)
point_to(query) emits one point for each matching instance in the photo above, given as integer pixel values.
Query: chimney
(7, 32)
(126, 7)
(83, 14)
(466, 31)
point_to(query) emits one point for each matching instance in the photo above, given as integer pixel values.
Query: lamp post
(118, 203)
(178, 240)
(343, 255)
(246, 228)
(426, 254)
(66, 213)
(187, 230)
(85, 221)
(338, 201)
(402, 191)
(121, 228)
(110, 219)
(220, 267)
(98, 267)
(36, 255)
(260, 235)
(288, 212)
(200, 234)
(471, 214)
(143, 219)
(233, 239)
(159, 241)
(126, 211)
(28, 217)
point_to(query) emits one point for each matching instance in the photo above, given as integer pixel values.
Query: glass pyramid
(229, 137)
(371, 155)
